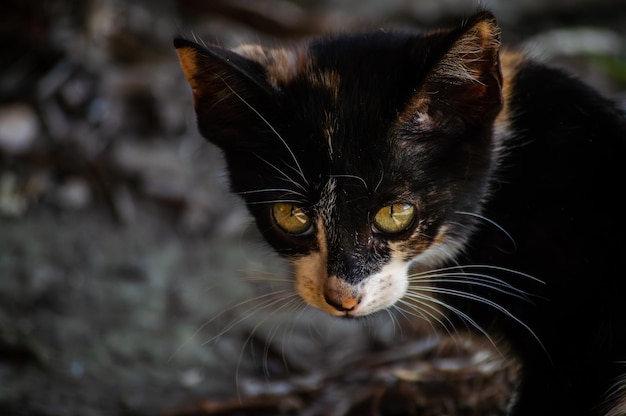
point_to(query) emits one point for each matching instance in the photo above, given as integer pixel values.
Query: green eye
(394, 218)
(291, 218)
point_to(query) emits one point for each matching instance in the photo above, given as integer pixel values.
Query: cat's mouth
(348, 316)
(344, 300)
(352, 298)
(353, 302)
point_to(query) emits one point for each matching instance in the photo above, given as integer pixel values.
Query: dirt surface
(132, 283)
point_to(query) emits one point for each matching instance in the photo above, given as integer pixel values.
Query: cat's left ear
(467, 78)
(230, 93)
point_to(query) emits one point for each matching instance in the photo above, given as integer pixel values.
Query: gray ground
(125, 266)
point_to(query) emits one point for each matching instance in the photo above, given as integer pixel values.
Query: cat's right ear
(229, 92)
(467, 79)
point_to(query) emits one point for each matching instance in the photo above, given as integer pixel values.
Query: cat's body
(432, 173)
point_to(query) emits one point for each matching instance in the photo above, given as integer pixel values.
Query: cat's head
(359, 156)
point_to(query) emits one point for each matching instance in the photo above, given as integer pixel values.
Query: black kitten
(433, 173)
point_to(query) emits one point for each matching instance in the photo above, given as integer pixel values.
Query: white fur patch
(438, 253)
(383, 289)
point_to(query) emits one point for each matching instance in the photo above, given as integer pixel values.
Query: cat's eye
(291, 218)
(394, 218)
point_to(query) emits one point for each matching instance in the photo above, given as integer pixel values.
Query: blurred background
(125, 265)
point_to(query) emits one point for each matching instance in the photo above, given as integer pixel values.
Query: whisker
(297, 304)
(394, 321)
(288, 178)
(275, 201)
(266, 303)
(285, 190)
(465, 317)
(429, 317)
(475, 280)
(480, 299)
(481, 266)
(382, 175)
(352, 177)
(216, 317)
(289, 299)
(270, 278)
(299, 169)
(294, 302)
(493, 223)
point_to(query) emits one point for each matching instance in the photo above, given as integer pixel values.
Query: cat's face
(362, 158)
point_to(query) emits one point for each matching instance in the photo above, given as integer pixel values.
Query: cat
(435, 174)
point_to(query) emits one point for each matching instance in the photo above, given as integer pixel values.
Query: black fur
(558, 195)
(555, 188)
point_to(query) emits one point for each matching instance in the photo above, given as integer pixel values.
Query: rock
(19, 128)
(73, 194)
(12, 201)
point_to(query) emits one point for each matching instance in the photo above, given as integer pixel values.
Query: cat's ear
(229, 91)
(467, 78)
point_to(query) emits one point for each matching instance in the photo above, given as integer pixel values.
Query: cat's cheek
(310, 272)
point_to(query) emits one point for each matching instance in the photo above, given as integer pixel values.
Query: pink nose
(342, 304)
(341, 295)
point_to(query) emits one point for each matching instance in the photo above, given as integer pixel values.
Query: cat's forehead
(339, 108)
(282, 65)
(332, 61)
(288, 66)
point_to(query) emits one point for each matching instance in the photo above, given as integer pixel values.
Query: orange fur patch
(331, 80)
(510, 63)
(187, 58)
(282, 65)
(464, 61)
(311, 273)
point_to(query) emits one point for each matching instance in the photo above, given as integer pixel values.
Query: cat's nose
(343, 304)
(341, 296)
